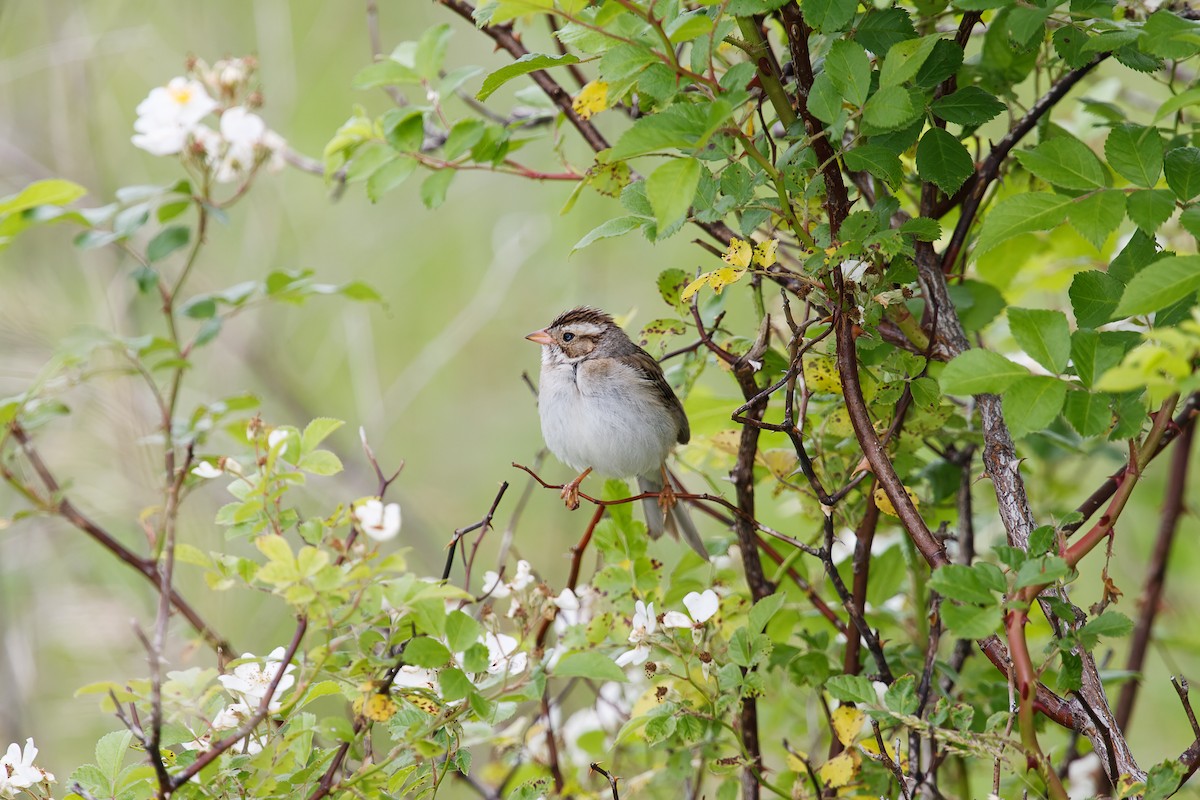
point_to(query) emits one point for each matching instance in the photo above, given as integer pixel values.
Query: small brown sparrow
(605, 406)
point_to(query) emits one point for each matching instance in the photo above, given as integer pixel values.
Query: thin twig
(612, 780)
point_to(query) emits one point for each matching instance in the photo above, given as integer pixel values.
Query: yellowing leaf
(837, 423)
(821, 375)
(796, 761)
(693, 287)
(847, 723)
(718, 279)
(837, 772)
(379, 707)
(780, 461)
(424, 703)
(738, 254)
(872, 748)
(885, 504)
(765, 252)
(591, 99)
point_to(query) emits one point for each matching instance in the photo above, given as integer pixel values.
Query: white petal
(702, 605)
(676, 619)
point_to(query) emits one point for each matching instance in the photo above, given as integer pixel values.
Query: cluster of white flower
(248, 683)
(19, 775)
(170, 122)
(701, 606)
(380, 522)
(644, 625)
(496, 588)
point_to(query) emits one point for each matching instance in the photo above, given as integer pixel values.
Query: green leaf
(904, 59)
(878, 160)
(1088, 413)
(1067, 162)
(1190, 220)
(389, 176)
(1113, 624)
(671, 189)
(942, 159)
(465, 134)
(879, 30)
(462, 631)
(426, 652)
(969, 106)
(681, 126)
(764, 609)
(1094, 296)
(901, 696)
(434, 188)
(1023, 213)
(971, 622)
(828, 16)
(52, 192)
(1096, 216)
(608, 229)
(1136, 153)
(850, 70)
(454, 683)
(590, 665)
(384, 73)
(1037, 571)
(1044, 335)
(1179, 102)
(318, 431)
(320, 462)
(1164, 780)
(980, 372)
(1150, 208)
(978, 584)
(889, 108)
(923, 229)
(1094, 352)
(1182, 167)
(1169, 35)
(852, 689)
(1031, 403)
(824, 99)
(167, 241)
(530, 62)
(1159, 285)
(111, 750)
(671, 283)
(431, 51)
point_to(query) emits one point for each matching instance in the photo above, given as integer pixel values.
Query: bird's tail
(677, 521)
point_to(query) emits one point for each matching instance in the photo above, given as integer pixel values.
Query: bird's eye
(568, 336)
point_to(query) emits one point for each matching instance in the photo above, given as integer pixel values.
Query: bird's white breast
(604, 415)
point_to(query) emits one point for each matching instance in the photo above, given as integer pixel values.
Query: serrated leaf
(1110, 623)
(1093, 353)
(462, 631)
(970, 622)
(590, 665)
(889, 108)
(434, 188)
(1150, 208)
(1067, 162)
(1031, 403)
(530, 62)
(847, 722)
(901, 696)
(426, 652)
(850, 70)
(943, 160)
(679, 126)
(1044, 335)
(880, 161)
(852, 689)
(1136, 153)
(1024, 213)
(879, 30)
(671, 189)
(969, 106)
(51, 192)
(824, 99)
(1088, 413)
(320, 462)
(317, 431)
(904, 59)
(764, 609)
(967, 584)
(1097, 216)
(608, 229)
(1160, 284)
(1046, 569)
(828, 16)
(1094, 296)
(979, 372)
(1182, 168)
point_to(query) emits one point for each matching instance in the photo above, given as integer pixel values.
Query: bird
(606, 406)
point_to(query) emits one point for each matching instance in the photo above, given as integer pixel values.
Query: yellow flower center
(181, 95)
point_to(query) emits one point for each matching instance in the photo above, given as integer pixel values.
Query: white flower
(275, 437)
(206, 469)
(250, 681)
(378, 521)
(524, 576)
(503, 654)
(494, 587)
(276, 147)
(169, 114)
(232, 716)
(17, 770)
(644, 625)
(411, 677)
(700, 608)
(854, 270)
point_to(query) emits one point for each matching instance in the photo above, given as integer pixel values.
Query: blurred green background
(434, 376)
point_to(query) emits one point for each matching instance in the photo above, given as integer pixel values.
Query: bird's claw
(570, 492)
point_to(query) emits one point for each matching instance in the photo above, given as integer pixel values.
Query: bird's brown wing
(646, 364)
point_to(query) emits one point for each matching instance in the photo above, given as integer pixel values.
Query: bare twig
(612, 779)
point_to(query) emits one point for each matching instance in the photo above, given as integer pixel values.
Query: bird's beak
(540, 337)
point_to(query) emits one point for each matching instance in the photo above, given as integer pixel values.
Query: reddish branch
(1156, 573)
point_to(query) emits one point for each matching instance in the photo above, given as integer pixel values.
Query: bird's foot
(570, 492)
(666, 495)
